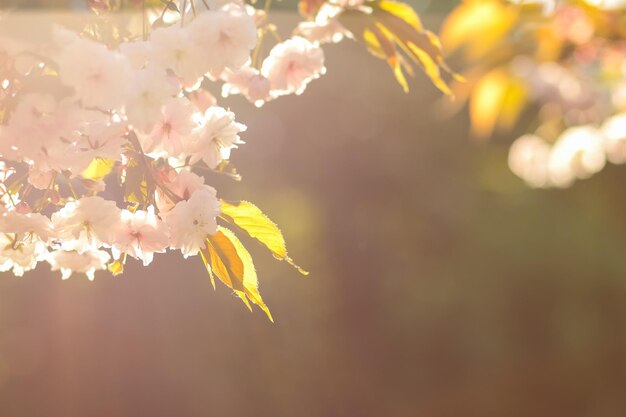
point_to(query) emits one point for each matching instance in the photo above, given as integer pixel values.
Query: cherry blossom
(172, 49)
(249, 82)
(100, 81)
(140, 234)
(23, 240)
(292, 64)
(171, 130)
(71, 261)
(191, 221)
(151, 88)
(87, 223)
(104, 135)
(179, 186)
(222, 38)
(217, 135)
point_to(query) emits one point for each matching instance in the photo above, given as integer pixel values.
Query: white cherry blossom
(222, 38)
(99, 76)
(292, 64)
(248, 82)
(70, 262)
(191, 221)
(217, 135)
(171, 48)
(180, 186)
(172, 128)
(151, 88)
(87, 223)
(140, 234)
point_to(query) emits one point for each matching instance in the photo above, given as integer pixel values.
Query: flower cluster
(124, 111)
(101, 146)
(104, 133)
(563, 74)
(577, 153)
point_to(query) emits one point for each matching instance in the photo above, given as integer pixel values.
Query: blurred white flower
(222, 39)
(292, 64)
(578, 153)
(138, 53)
(614, 130)
(248, 82)
(608, 4)
(528, 159)
(151, 88)
(324, 29)
(100, 77)
(172, 49)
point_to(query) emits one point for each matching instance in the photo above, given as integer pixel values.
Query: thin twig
(69, 184)
(143, 20)
(182, 13)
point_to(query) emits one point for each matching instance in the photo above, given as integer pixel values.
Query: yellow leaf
(251, 219)
(431, 69)
(205, 260)
(137, 188)
(479, 25)
(388, 27)
(384, 40)
(421, 46)
(225, 261)
(98, 169)
(486, 102)
(373, 45)
(513, 104)
(397, 72)
(229, 260)
(250, 280)
(497, 99)
(403, 11)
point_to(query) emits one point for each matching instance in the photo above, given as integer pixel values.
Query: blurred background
(440, 285)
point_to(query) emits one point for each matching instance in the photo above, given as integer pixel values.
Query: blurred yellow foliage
(505, 45)
(478, 25)
(393, 31)
(497, 99)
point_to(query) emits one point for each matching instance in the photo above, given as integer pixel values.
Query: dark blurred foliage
(441, 286)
